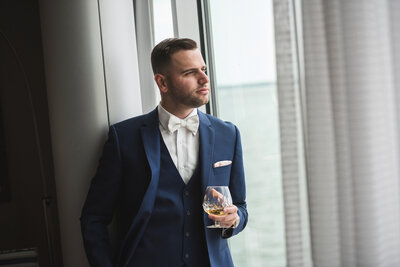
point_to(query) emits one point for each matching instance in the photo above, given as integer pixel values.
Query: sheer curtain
(351, 93)
(288, 51)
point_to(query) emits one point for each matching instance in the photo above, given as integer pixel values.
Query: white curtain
(288, 51)
(351, 100)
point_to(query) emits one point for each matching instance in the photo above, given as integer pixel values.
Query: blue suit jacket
(126, 182)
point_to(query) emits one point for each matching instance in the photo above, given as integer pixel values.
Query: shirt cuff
(227, 232)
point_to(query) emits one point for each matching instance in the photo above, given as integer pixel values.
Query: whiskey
(216, 211)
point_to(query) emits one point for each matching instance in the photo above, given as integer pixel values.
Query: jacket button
(188, 213)
(187, 255)
(187, 234)
(186, 193)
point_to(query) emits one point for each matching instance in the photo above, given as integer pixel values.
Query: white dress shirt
(182, 145)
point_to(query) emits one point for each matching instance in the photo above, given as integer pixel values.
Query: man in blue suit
(155, 168)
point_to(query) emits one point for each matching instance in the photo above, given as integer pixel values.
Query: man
(154, 171)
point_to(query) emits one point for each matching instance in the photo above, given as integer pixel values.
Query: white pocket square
(222, 163)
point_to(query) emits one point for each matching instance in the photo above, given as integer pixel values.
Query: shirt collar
(164, 116)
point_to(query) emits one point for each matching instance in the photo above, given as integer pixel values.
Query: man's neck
(179, 112)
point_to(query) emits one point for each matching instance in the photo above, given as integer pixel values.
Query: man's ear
(161, 82)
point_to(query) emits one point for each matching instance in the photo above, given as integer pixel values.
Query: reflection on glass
(243, 46)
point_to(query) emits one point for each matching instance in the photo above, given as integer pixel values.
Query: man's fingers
(228, 219)
(225, 218)
(217, 194)
(231, 209)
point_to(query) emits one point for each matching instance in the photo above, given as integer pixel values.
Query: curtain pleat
(291, 136)
(352, 148)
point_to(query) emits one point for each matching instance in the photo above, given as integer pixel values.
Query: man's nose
(203, 78)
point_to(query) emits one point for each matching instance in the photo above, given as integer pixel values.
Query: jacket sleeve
(237, 186)
(100, 204)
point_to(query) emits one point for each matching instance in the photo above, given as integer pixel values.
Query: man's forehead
(187, 58)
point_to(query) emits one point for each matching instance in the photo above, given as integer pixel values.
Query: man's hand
(228, 220)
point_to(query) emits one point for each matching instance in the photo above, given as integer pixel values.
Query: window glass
(246, 93)
(163, 27)
(162, 19)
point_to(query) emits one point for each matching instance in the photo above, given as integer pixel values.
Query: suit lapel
(151, 142)
(207, 139)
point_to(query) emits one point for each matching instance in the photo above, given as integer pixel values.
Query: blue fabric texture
(127, 182)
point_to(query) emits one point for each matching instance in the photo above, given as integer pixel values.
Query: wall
(92, 80)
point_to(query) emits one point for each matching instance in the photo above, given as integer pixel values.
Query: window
(238, 40)
(162, 19)
(241, 37)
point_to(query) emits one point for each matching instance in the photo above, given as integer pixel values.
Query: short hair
(161, 54)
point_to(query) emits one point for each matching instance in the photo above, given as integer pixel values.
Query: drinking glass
(215, 200)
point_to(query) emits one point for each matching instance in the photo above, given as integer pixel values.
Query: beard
(188, 98)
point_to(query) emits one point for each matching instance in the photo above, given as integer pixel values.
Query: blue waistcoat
(175, 233)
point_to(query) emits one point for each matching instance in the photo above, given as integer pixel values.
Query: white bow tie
(191, 123)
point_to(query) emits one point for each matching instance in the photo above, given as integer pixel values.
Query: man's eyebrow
(188, 70)
(193, 69)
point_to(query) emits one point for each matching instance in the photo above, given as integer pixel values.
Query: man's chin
(202, 103)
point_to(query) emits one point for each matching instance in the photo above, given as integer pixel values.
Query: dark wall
(28, 214)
